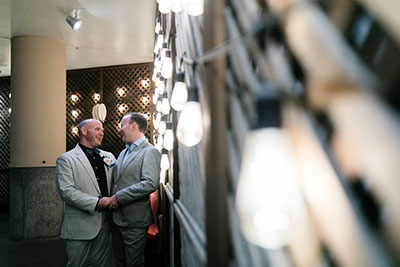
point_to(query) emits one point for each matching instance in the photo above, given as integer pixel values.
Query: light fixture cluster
(191, 7)
(76, 112)
(168, 98)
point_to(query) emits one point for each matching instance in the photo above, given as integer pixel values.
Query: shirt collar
(89, 151)
(134, 144)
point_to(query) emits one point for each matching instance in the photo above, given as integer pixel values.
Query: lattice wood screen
(4, 141)
(122, 89)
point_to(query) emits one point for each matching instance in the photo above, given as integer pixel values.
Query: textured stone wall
(36, 210)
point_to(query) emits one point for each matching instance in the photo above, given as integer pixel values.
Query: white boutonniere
(106, 160)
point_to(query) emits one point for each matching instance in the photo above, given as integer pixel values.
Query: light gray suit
(78, 187)
(134, 179)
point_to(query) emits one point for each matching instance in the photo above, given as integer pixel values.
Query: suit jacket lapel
(130, 158)
(117, 167)
(108, 178)
(86, 164)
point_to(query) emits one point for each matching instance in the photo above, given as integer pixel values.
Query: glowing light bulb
(158, 26)
(165, 108)
(74, 97)
(159, 143)
(154, 98)
(157, 120)
(179, 93)
(160, 84)
(162, 127)
(96, 97)
(166, 70)
(169, 137)
(158, 105)
(75, 113)
(264, 188)
(195, 7)
(164, 160)
(189, 130)
(177, 6)
(74, 130)
(164, 6)
(160, 40)
(120, 91)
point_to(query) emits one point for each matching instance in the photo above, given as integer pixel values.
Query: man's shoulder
(69, 153)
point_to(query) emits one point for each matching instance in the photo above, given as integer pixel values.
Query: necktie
(128, 151)
(93, 151)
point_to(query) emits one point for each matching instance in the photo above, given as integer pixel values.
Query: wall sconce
(73, 20)
(74, 98)
(121, 91)
(9, 95)
(266, 179)
(145, 100)
(179, 93)
(122, 108)
(96, 97)
(144, 82)
(189, 130)
(75, 113)
(74, 130)
(9, 110)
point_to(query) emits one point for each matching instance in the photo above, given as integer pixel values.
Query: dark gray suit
(78, 187)
(134, 179)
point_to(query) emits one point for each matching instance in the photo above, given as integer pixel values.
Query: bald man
(83, 177)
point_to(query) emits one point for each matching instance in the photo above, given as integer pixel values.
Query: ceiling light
(73, 20)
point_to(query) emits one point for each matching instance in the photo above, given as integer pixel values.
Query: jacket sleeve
(67, 189)
(149, 179)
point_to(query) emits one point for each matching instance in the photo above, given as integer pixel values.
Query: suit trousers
(129, 245)
(94, 252)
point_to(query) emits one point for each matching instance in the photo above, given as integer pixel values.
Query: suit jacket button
(99, 210)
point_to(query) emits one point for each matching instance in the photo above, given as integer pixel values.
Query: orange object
(153, 229)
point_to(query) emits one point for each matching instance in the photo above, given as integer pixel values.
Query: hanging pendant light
(179, 93)
(166, 70)
(164, 164)
(266, 179)
(189, 130)
(165, 108)
(169, 137)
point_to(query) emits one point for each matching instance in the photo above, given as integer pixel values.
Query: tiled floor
(49, 252)
(32, 253)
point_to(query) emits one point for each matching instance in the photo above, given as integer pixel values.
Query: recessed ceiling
(113, 32)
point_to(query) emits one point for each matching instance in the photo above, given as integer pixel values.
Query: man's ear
(83, 131)
(133, 126)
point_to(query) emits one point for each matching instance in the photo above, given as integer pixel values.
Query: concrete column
(37, 135)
